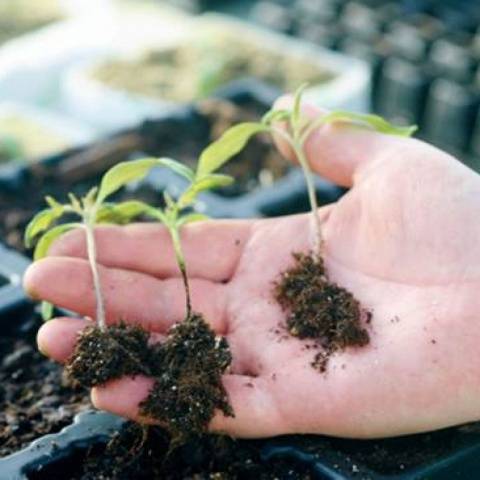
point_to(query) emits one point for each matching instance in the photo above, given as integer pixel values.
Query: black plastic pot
(12, 267)
(333, 459)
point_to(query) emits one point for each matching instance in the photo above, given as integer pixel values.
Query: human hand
(403, 240)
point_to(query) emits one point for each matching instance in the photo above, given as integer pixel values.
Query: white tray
(109, 109)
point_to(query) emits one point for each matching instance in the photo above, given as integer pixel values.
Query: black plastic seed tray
(326, 459)
(451, 454)
(411, 45)
(88, 429)
(12, 267)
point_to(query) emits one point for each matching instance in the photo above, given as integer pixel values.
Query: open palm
(404, 240)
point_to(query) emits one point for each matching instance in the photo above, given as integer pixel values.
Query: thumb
(341, 152)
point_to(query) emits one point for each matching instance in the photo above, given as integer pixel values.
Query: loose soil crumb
(188, 386)
(319, 309)
(187, 369)
(101, 356)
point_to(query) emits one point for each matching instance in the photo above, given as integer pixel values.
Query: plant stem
(177, 246)
(318, 237)
(92, 258)
(297, 147)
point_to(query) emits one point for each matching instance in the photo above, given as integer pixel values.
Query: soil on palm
(100, 356)
(320, 310)
(186, 368)
(188, 386)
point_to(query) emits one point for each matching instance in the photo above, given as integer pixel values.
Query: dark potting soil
(135, 455)
(35, 398)
(256, 166)
(188, 385)
(320, 310)
(138, 454)
(187, 370)
(99, 356)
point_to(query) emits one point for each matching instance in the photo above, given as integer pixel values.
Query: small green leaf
(89, 198)
(375, 122)
(207, 182)
(169, 201)
(159, 215)
(77, 206)
(121, 213)
(126, 172)
(49, 237)
(47, 311)
(177, 167)
(190, 218)
(227, 146)
(53, 204)
(276, 116)
(41, 222)
(123, 173)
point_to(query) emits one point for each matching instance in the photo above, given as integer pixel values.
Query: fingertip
(57, 338)
(43, 339)
(34, 277)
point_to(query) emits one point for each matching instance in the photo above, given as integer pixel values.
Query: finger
(340, 152)
(256, 414)
(57, 338)
(129, 296)
(212, 249)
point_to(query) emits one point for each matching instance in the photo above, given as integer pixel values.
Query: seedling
(298, 130)
(177, 213)
(92, 209)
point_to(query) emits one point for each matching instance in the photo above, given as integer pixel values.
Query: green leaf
(123, 173)
(215, 180)
(191, 218)
(276, 116)
(121, 213)
(41, 222)
(49, 237)
(177, 167)
(207, 182)
(77, 206)
(47, 311)
(126, 172)
(375, 122)
(227, 146)
(89, 199)
(53, 204)
(159, 215)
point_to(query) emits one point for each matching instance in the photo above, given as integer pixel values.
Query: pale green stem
(318, 122)
(177, 246)
(92, 258)
(297, 148)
